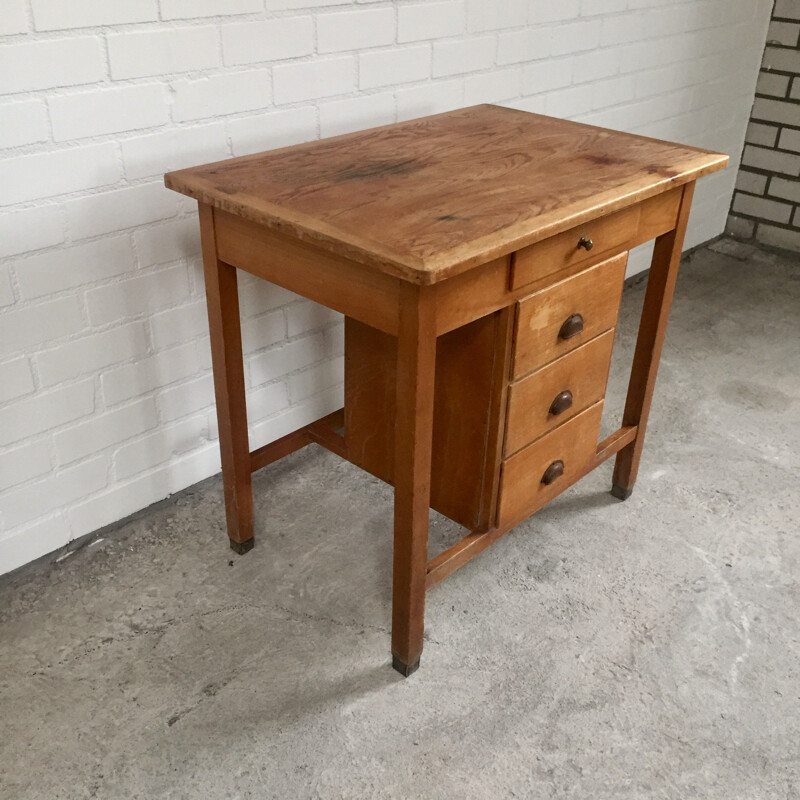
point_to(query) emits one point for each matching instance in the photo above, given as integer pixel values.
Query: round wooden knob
(553, 472)
(561, 402)
(586, 244)
(573, 325)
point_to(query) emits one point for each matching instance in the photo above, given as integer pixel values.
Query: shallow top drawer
(556, 320)
(583, 244)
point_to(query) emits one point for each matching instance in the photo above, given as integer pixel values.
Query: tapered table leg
(652, 329)
(226, 356)
(416, 362)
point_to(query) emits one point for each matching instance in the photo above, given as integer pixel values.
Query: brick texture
(766, 203)
(106, 401)
(23, 123)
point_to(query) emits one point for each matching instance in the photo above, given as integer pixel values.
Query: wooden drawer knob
(573, 325)
(553, 472)
(562, 401)
(586, 244)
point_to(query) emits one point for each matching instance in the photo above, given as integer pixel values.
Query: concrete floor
(649, 649)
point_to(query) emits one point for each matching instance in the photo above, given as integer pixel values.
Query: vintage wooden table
(478, 257)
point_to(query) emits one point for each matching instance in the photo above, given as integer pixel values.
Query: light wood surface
(447, 562)
(583, 373)
(426, 199)
(574, 443)
(649, 343)
(413, 436)
(222, 299)
(593, 294)
(360, 293)
(564, 250)
(469, 388)
(658, 215)
(478, 257)
(487, 288)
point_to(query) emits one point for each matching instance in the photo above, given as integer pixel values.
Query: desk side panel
(366, 295)
(465, 383)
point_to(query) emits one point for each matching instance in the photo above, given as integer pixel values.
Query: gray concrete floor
(649, 649)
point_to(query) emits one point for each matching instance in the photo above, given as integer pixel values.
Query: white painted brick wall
(77, 116)
(106, 401)
(431, 20)
(274, 129)
(51, 172)
(22, 464)
(91, 353)
(270, 40)
(323, 77)
(14, 18)
(23, 123)
(6, 289)
(47, 410)
(28, 326)
(51, 15)
(143, 54)
(393, 66)
(49, 63)
(16, 379)
(228, 93)
(352, 30)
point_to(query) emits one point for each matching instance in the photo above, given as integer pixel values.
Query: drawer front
(571, 445)
(556, 320)
(550, 396)
(585, 244)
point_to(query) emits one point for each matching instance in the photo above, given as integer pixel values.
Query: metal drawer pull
(586, 244)
(562, 401)
(553, 472)
(573, 325)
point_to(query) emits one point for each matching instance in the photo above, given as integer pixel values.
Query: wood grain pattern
(324, 431)
(574, 443)
(583, 373)
(411, 231)
(487, 288)
(369, 296)
(471, 372)
(328, 432)
(274, 451)
(650, 341)
(559, 252)
(498, 404)
(222, 299)
(658, 215)
(472, 295)
(413, 437)
(593, 293)
(476, 542)
(426, 199)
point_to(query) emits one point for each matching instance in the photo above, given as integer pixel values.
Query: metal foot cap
(620, 493)
(404, 669)
(243, 547)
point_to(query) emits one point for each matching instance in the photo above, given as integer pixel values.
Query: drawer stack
(563, 339)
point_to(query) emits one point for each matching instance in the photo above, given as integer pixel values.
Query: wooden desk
(478, 257)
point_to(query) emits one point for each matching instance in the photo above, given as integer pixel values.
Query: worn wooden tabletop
(432, 197)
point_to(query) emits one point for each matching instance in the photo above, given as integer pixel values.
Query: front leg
(226, 356)
(652, 330)
(413, 432)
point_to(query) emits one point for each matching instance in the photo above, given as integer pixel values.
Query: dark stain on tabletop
(380, 169)
(602, 160)
(664, 171)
